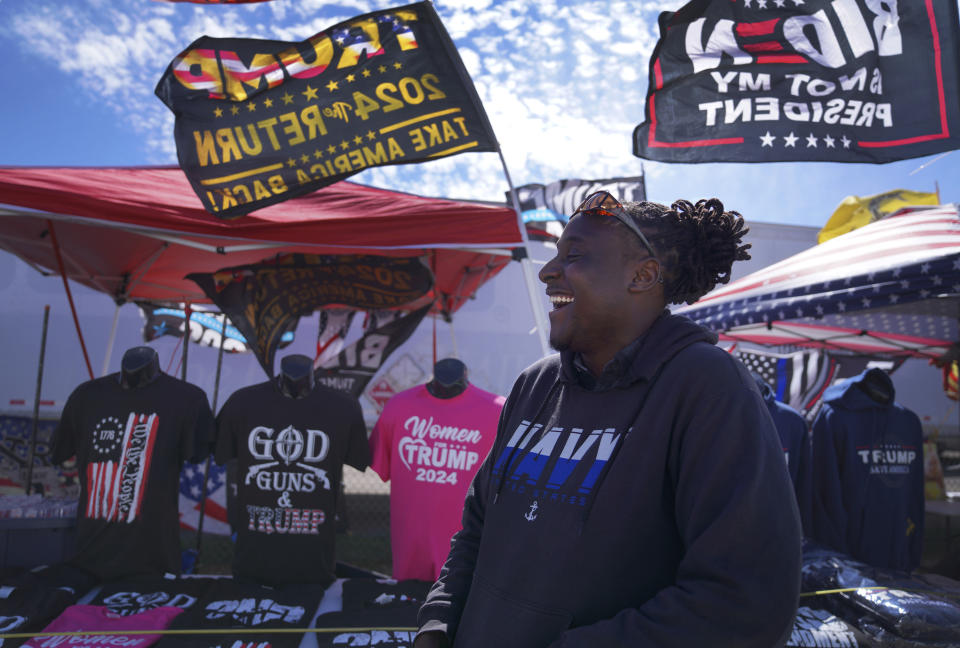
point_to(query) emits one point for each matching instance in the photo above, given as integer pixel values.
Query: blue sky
(563, 84)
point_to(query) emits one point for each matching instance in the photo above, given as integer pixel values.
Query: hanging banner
(332, 331)
(557, 200)
(352, 368)
(266, 300)
(784, 81)
(260, 121)
(205, 328)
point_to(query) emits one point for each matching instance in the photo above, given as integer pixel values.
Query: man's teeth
(560, 300)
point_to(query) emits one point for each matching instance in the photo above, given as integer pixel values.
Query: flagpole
(187, 314)
(539, 316)
(522, 254)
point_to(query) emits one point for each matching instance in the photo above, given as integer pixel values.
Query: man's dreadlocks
(695, 244)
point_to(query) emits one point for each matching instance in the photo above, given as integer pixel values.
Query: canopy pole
(453, 339)
(436, 290)
(216, 381)
(36, 400)
(539, 316)
(187, 312)
(206, 468)
(66, 287)
(434, 318)
(113, 336)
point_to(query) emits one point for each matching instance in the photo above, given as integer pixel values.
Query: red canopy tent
(135, 232)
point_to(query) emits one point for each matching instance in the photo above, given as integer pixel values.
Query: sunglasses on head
(603, 203)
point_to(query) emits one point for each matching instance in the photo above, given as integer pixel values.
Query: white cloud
(551, 77)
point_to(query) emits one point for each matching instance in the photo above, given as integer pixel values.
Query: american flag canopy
(891, 287)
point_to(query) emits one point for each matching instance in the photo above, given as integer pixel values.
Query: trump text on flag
(261, 121)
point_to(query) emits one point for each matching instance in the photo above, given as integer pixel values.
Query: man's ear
(646, 275)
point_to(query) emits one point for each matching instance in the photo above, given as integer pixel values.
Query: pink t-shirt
(430, 448)
(97, 617)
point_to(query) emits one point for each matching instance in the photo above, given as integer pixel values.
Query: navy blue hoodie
(794, 437)
(650, 507)
(867, 475)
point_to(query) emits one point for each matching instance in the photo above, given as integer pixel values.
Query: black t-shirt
(384, 593)
(130, 445)
(290, 455)
(134, 597)
(29, 601)
(383, 628)
(379, 612)
(816, 626)
(231, 605)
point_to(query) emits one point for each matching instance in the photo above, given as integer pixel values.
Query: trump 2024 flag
(803, 80)
(261, 121)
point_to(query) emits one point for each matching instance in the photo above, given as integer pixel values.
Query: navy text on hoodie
(867, 475)
(649, 508)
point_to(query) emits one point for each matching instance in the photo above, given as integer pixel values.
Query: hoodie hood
(642, 358)
(855, 393)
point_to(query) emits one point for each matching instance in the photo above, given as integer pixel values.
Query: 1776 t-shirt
(290, 454)
(430, 448)
(130, 445)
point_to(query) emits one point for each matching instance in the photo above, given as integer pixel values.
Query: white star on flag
(828, 141)
(798, 2)
(779, 3)
(762, 4)
(791, 139)
(811, 141)
(746, 3)
(846, 141)
(767, 140)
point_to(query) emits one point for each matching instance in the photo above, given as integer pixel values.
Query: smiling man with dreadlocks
(636, 494)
